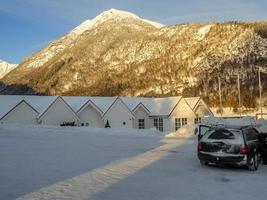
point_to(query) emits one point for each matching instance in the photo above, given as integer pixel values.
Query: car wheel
(203, 162)
(257, 161)
(253, 163)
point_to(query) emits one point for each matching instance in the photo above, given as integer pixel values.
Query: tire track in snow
(85, 185)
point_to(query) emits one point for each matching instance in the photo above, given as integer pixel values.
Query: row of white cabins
(165, 114)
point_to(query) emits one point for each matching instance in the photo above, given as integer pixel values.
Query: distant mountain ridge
(118, 53)
(5, 68)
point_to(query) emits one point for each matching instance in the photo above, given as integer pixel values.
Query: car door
(252, 141)
(202, 130)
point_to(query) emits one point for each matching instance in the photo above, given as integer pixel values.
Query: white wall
(140, 113)
(92, 116)
(182, 110)
(22, 114)
(58, 113)
(202, 111)
(118, 114)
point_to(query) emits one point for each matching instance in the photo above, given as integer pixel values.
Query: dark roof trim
(195, 106)
(90, 102)
(118, 98)
(141, 104)
(178, 104)
(59, 97)
(159, 116)
(175, 106)
(203, 102)
(17, 105)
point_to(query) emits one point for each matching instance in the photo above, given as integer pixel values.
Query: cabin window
(197, 120)
(177, 123)
(158, 124)
(141, 123)
(124, 123)
(82, 124)
(87, 124)
(184, 121)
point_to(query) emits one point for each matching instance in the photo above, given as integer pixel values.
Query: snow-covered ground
(81, 163)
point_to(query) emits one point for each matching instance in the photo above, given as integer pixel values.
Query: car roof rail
(218, 125)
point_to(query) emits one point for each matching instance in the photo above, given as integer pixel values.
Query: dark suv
(229, 145)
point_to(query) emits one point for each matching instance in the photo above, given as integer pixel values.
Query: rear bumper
(216, 159)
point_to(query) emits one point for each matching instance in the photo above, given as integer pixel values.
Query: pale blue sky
(28, 25)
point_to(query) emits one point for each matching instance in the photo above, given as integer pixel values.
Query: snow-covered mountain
(112, 14)
(6, 68)
(56, 47)
(119, 53)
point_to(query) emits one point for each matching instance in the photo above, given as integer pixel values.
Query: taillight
(244, 150)
(200, 147)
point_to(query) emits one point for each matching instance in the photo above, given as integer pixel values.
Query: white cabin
(58, 113)
(165, 114)
(118, 115)
(199, 107)
(22, 113)
(90, 115)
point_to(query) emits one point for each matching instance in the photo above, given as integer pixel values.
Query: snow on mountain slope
(117, 53)
(5, 68)
(58, 46)
(110, 14)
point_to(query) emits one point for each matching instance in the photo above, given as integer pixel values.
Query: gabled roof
(141, 105)
(193, 101)
(16, 106)
(156, 106)
(76, 102)
(58, 98)
(103, 103)
(178, 104)
(89, 102)
(7, 103)
(118, 99)
(39, 103)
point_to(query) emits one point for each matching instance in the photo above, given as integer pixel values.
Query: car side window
(222, 134)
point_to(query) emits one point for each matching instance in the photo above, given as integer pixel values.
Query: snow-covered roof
(39, 103)
(103, 103)
(118, 99)
(7, 103)
(76, 102)
(56, 99)
(16, 106)
(156, 106)
(192, 101)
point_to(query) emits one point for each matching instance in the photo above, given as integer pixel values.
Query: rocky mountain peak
(112, 14)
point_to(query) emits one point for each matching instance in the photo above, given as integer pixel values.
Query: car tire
(253, 163)
(204, 162)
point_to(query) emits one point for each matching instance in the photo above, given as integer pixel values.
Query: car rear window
(221, 134)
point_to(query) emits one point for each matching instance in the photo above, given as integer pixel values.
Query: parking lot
(58, 163)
